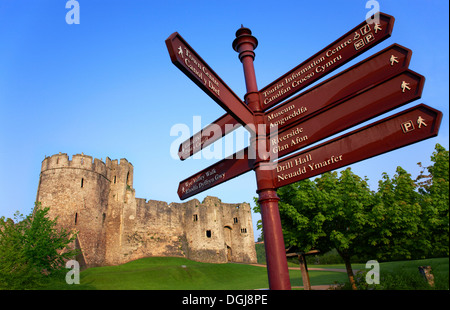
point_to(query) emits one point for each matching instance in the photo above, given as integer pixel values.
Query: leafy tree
(32, 249)
(434, 189)
(302, 217)
(347, 200)
(396, 227)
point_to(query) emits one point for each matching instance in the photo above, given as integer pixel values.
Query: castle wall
(97, 199)
(155, 229)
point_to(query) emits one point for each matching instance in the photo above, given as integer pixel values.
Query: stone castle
(97, 199)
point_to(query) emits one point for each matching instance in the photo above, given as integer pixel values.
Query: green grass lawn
(169, 273)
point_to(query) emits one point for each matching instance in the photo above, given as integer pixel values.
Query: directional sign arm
(185, 58)
(216, 174)
(208, 135)
(410, 126)
(353, 43)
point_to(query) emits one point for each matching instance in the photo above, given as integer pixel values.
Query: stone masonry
(97, 200)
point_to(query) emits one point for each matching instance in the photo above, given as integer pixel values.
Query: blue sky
(106, 87)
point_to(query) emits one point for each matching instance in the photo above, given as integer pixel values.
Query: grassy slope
(161, 273)
(167, 273)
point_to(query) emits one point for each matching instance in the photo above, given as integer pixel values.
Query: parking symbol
(407, 126)
(358, 44)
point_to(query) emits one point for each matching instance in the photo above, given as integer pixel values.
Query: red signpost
(372, 87)
(363, 37)
(337, 115)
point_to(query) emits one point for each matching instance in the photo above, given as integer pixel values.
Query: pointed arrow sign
(207, 136)
(187, 60)
(410, 126)
(216, 174)
(353, 43)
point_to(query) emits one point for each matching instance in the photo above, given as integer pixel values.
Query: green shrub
(31, 250)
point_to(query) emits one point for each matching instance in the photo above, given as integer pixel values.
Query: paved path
(313, 287)
(309, 268)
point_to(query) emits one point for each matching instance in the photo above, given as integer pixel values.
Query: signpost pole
(277, 269)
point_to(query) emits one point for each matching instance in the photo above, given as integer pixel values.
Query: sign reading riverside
(366, 73)
(188, 61)
(348, 113)
(353, 43)
(410, 126)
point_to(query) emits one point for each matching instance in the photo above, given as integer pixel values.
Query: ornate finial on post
(245, 44)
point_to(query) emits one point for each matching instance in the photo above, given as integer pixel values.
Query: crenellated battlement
(106, 168)
(78, 161)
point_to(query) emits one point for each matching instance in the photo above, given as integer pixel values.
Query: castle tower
(121, 209)
(77, 193)
(218, 232)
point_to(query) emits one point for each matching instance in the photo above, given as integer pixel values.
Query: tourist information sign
(368, 89)
(353, 43)
(413, 125)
